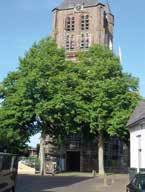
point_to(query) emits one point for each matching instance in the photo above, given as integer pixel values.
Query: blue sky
(26, 21)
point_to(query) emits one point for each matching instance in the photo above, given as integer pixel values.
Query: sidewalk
(113, 183)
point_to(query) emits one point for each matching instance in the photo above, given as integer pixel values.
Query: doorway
(73, 161)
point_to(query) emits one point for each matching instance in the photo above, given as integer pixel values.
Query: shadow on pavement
(32, 183)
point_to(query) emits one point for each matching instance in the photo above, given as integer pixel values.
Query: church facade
(77, 25)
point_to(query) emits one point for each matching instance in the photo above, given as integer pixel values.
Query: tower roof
(138, 114)
(70, 4)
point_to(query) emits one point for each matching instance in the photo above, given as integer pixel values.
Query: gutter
(135, 123)
(59, 9)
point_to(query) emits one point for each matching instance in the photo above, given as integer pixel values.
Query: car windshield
(141, 181)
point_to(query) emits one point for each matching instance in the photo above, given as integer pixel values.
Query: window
(67, 43)
(84, 22)
(85, 42)
(82, 45)
(70, 43)
(105, 20)
(105, 24)
(67, 27)
(106, 37)
(70, 24)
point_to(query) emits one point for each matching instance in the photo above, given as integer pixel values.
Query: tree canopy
(108, 93)
(51, 94)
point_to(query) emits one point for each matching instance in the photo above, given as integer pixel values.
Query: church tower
(78, 24)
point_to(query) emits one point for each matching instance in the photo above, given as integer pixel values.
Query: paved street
(27, 183)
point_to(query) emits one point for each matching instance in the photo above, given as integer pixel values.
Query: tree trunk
(101, 155)
(42, 155)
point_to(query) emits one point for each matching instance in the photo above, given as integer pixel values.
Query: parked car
(137, 184)
(8, 172)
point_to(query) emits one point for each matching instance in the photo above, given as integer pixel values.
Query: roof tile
(138, 114)
(69, 4)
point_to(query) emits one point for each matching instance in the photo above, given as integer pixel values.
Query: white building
(136, 126)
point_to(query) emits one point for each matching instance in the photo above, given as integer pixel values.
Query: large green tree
(108, 95)
(13, 134)
(23, 91)
(59, 97)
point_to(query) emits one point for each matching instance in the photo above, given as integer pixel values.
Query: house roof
(138, 114)
(70, 4)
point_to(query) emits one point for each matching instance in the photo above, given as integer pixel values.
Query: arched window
(82, 45)
(106, 41)
(84, 22)
(70, 24)
(85, 41)
(67, 24)
(69, 42)
(72, 43)
(105, 20)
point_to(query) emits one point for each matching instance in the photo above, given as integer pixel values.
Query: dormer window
(70, 24)
(84, 22)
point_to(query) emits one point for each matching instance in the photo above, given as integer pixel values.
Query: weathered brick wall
(96, 26)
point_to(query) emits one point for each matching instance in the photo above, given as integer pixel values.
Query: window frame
(69, 42)
(84, 22)
(70, 23)
(84, 41)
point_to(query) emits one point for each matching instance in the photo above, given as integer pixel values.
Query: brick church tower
(78, 24)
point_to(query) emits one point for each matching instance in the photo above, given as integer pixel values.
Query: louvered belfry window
(70, 24)
(84, 22)
(85, 42)
(67, 43)
(70, 43)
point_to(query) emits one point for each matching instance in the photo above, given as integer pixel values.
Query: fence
(8, 171)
